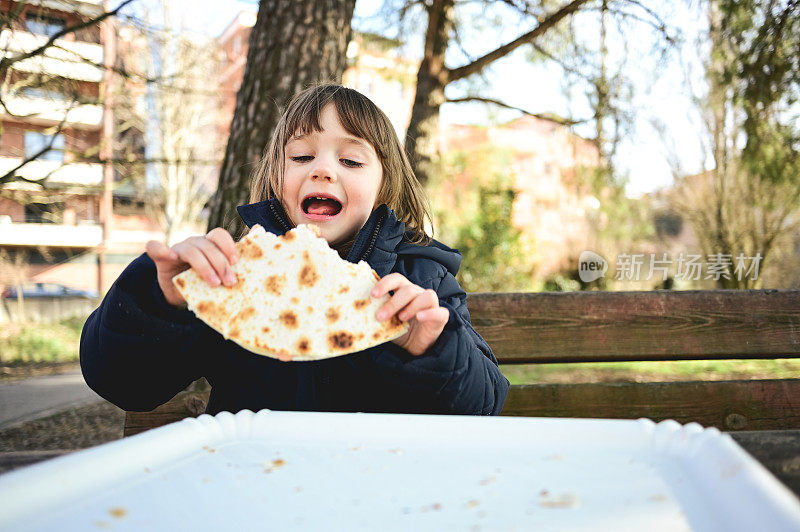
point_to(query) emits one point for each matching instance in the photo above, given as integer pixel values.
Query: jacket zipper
(373, 238)
(278, 217)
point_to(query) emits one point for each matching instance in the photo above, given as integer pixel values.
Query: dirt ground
(76, 428)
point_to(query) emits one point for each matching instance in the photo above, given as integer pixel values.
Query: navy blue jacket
(137, 351)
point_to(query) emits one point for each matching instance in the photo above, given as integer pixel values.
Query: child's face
(335, 165)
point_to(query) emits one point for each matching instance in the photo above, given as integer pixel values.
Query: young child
(334, 161)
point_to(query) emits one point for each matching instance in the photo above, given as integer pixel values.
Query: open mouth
(321, 206)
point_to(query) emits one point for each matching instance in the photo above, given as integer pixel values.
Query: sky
(644, 157)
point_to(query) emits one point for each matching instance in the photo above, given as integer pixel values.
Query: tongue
(324, 207)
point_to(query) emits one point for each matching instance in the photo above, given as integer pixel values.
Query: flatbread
(294, 299)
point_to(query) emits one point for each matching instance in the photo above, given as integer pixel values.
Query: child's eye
(301, 158)
(351, 163)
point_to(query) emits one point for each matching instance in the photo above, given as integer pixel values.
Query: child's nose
(323, 170)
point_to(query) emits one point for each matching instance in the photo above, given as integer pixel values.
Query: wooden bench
(535, 328)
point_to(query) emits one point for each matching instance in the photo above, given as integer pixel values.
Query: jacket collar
(374, 243)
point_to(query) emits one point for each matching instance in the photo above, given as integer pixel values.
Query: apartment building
(52, 131)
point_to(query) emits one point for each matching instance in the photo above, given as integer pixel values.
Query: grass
(652, 371)
(41, 342)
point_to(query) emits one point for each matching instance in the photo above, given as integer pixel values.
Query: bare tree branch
(659, 26)
(7, 19)
(11, 175)
(562, 64)
(544, 25)
(161, 81)
(544, 116)
(6, 62)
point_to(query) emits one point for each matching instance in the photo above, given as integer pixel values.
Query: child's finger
(159, 251)
(400, 299)
(225, 243)
(393, 281)
(438, 314)
(192, 254)
(425, 300)
(216, 258)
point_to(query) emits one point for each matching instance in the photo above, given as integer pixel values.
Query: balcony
(83, 174)
(51, 111)
(50, 235)
(68, 59)
(87, 8)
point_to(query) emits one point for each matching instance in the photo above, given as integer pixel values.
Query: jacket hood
(446, 256)
(381, 241)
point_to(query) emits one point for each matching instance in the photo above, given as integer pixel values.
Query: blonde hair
(400, 189)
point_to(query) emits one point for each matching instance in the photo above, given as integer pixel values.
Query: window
(36, 141)
(44, 213)
(44, 93)
(43, 25)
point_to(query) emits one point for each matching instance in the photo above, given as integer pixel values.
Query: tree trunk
(432, 78)
(293, 44)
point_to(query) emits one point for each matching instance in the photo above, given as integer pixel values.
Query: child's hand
(412, 304)
(211, 256)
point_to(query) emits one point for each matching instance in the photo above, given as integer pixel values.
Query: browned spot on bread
(180, 282)
(308, 275)
(375, 275)
(235, 333)
(376, 335)
(360, 303)
(306, 255)
(295, 301)
(265, 329)
(249, 249)
(310, 309)
(340, 340)
(304, 345)
(393, 323)
(332, 315)
(275, 284)
(360, 336)
(244, 315)
(278, 245)
(289, 236)
(212, 312)
(344, 289)
(289, 319)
